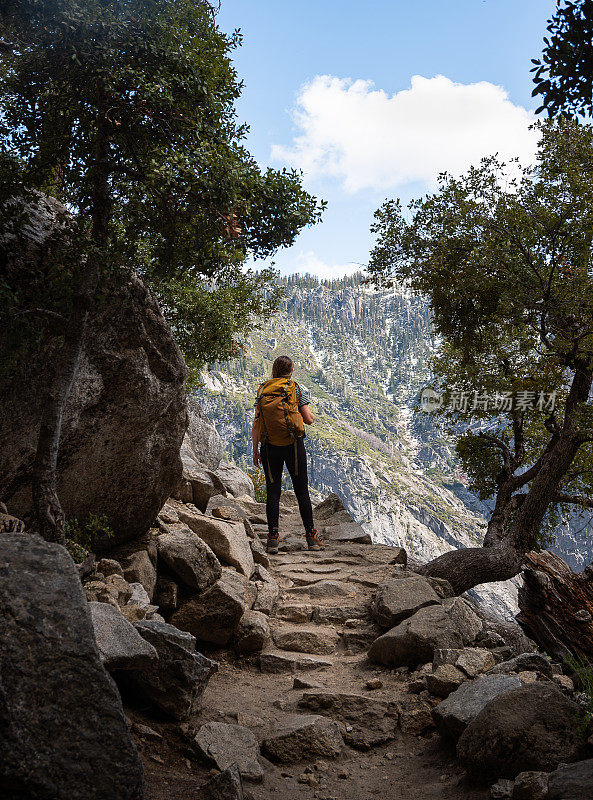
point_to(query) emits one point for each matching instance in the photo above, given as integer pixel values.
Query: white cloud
(308, 262)
(368, 139)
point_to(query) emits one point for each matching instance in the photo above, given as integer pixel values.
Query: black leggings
(273, 459)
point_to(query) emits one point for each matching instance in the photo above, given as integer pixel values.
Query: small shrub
(86, 535)
(259, 484)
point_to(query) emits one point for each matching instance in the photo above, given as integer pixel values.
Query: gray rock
(415, 639)
(189, 557)
(228, 540)
(213, 615)
(226, 786)
(534, 662)
(138, 568)
(366, 722)
(474, 661)
(202, 436)
(108, 566)
(532, 728)
(120, 645)
(445, 679)
(224, 745)
(349, 532)
(176, 682)
(316, 639)
(259, 552)
(465, 618)
(126, 413)
(235, 481)
(166, 594)
(396, 600)
(531, 786)
(502, 790)
(196, 484)
(572, 781)
(330, 506)
(304, 737)
(64, 733)
(253, 632)
(454, 714)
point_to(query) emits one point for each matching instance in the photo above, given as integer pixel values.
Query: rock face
(64, 733)
(530, 728)
(126, 414)
(176, 682)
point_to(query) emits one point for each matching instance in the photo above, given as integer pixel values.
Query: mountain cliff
(363, 354)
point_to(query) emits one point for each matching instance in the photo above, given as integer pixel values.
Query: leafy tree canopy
(564, 74)
(124, 111)
(505, 256)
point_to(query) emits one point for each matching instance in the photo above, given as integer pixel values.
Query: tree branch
(573, 499)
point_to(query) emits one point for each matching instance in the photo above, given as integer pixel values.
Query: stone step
(317, 639)
(283, 661)
(324, 589)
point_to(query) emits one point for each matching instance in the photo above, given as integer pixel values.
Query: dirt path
(324, 607)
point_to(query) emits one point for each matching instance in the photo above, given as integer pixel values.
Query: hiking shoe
(314, 541)
(272, 543)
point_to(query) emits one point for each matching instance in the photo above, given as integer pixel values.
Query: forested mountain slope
(363, 355)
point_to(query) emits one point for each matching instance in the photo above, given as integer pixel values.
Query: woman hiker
(281, 412)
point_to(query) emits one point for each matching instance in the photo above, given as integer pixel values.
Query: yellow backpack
(279, 418)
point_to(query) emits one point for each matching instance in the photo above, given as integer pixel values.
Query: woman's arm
(255, 438)
(306, 414)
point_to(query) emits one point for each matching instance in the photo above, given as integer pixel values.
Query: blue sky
(330, 89)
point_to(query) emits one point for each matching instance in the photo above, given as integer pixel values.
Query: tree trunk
(556, 606)
(49, 515)
(471, 566)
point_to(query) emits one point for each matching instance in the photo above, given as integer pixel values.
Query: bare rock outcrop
(64, 733)
(126, 414)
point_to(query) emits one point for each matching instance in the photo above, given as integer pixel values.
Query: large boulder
(535, 727)
(395, 600)
(126, 413)
(202, 436)
(414, 640)
(176, 682)
(64, 733)
(213, 615)
(454, 714)
(235, 481)
(189, 557)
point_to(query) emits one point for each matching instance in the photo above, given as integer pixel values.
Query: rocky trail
(316, 665)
